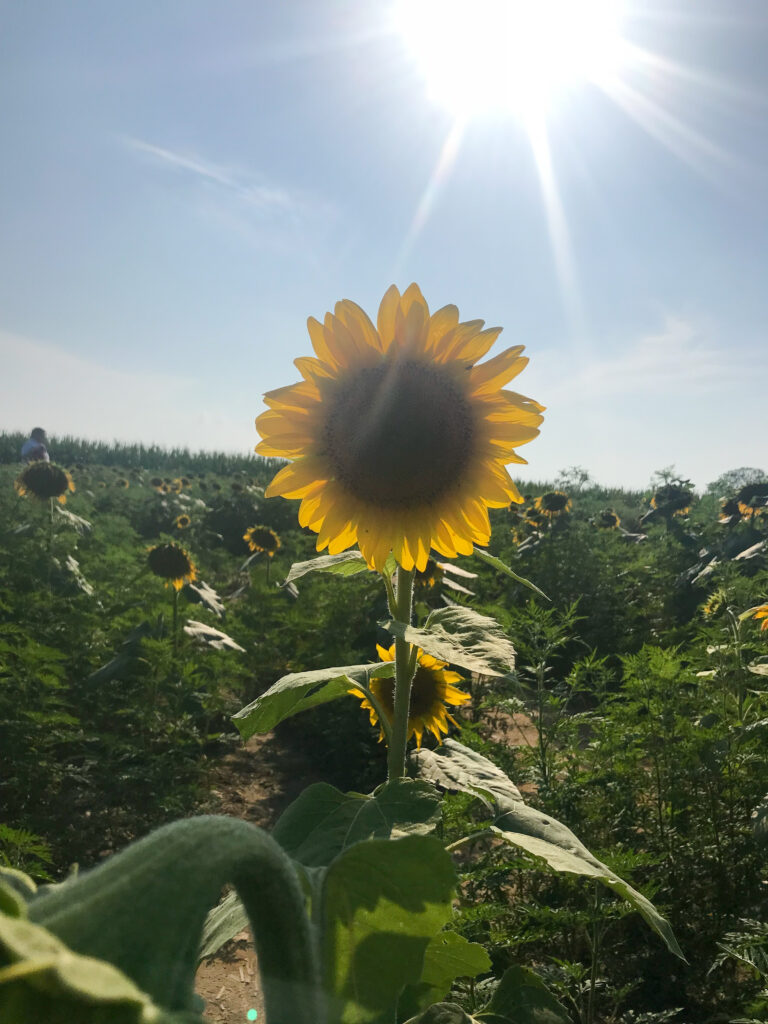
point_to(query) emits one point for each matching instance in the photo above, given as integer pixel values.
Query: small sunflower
(752, 499)
(44, 480)
(185, 481)
(176, 486)
(172, 563)
(430, 577)
(262, 538)
(606, 519)
(762, 613)
(673, 497)
(729, 511)
(122, 482)
(431, 690)
(399, 438)
(156, 482)
(553, 504)
(182, 522)
(715, 603)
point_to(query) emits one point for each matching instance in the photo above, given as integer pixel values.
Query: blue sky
(184, 182)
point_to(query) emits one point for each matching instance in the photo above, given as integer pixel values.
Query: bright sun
(514, 55)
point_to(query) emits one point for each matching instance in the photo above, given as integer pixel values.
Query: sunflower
(185, 481)
(156, 482)
(182, 522)
(399, 437)
(552, 504)
(729, 511)
(44, 480)
(430, 577)
(172, 563)
(762, 613)
(262, 538)
(752, 499)
(606, 519)
(715, 603)
(674, 498)
(122, 482)
(176, 486)
(431, 690)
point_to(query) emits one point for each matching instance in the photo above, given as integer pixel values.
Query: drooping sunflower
(729, 511)
(44, 480)
(182, 522)
(762, 613)
(172, 563)
(673, 497)
(399, 437)
(432, 689)
(607, 519)
(262, 538)
(553, 504)
(752, 499)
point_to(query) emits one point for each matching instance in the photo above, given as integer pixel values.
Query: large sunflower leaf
(443, 1013)
(462, 637)
(497, 563)
(523, 998)
(211, 637)
(143, 912)
(348, 563)
(41, 979)
(455, 767)
(322, 822)
(448, 956)
(382, 900)
(302, 690)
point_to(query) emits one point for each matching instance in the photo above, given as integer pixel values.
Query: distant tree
(735, 479)
(573, 479)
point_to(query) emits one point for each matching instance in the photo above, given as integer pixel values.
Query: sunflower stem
(404, 670)
(175, 625)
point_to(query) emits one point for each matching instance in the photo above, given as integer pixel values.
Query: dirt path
(255, 782)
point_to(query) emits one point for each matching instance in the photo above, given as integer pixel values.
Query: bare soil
(255, 782)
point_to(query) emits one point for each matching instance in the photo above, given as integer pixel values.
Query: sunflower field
(576, 829)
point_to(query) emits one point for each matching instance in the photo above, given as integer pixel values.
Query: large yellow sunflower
(762, 613)
(399, 437)
(44, 480)
(431, 690)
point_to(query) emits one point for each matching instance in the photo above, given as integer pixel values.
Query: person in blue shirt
(35, 448)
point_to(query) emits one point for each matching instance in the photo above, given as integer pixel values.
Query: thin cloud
(678, 357)
(261, 197)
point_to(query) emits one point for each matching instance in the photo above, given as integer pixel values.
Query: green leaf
(80, 525)
(41, 979)
(443, 1013)
(300, 691)
(455, 767)
(523, 998)
(382, 902)
(348, 563)
(497, 563)
(758, 668)
(200, 593)
(461, 637)
(143, 912)
(448, 956)
(323, 822)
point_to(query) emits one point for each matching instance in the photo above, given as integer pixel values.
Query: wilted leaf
(455, 767)
(80, 525)
(497, 563)
(211, 637)
(302, 690)
(201, 593)
(348, 563)
(462, 637)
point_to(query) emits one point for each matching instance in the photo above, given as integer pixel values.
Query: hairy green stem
(403, 677)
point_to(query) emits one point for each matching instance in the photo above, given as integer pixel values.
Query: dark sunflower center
(398, 434)
(424, 694)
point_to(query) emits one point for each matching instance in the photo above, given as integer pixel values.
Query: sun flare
(513, 55)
